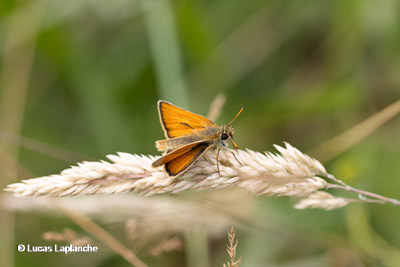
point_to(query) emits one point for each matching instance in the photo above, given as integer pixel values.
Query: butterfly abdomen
(174, 143)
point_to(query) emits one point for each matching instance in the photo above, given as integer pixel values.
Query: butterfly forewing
(178, 122)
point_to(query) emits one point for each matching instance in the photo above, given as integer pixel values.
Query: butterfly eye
(224, 136)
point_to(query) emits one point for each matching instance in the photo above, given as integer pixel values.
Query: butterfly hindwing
(184, 161)
(182, 158)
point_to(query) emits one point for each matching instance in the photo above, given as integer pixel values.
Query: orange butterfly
(188, 136)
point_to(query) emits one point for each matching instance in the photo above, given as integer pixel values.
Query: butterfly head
(226, 134)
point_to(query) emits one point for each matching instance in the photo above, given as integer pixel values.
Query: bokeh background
(80, 80)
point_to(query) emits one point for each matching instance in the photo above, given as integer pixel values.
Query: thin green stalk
(165, 49)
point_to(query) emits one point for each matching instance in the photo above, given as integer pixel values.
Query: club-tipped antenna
(240, 111)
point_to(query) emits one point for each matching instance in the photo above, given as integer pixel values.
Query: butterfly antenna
(240, 111)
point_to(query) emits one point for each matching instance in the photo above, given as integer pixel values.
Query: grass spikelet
(322, 200)
(291, 173)
(288, 173)
(231, 249)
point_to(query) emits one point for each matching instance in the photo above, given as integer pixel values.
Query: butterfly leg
(235, 156)
(218, 149)
(235, 146)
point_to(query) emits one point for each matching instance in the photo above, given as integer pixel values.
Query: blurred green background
(80, 80)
